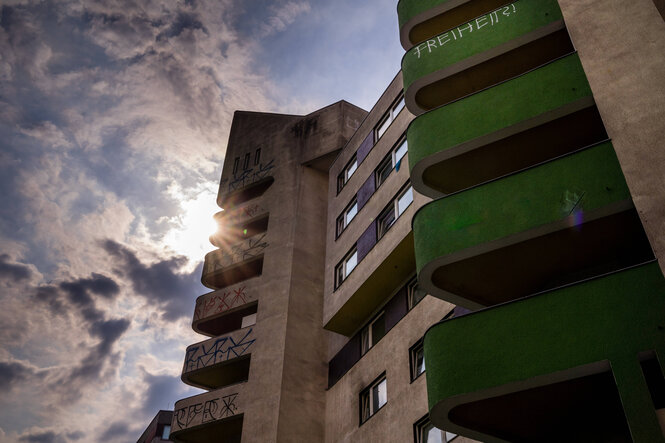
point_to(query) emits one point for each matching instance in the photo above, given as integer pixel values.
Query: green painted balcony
(535, 117)
(580, 364)
(211, 417)
(559, 222)
(483, 52)
(420, 20)
(219, 361)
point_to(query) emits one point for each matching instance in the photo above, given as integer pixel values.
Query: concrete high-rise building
(513, 171)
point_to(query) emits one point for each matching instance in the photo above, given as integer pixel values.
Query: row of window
(245, 163)
(386, 219)
(379, 130)
(375, 396)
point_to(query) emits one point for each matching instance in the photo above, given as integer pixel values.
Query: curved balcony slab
(211, 417)
(558, 366)
(216, 311)
(483, 52)
(532, 118)
(242, 222)
(420, 20)
(553, 224)
(220, 361)
(224, 267)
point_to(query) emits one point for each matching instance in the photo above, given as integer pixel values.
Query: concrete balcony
(228, 266)
(212, 417)
(560, 222)
(538, 116)
(242, 222)
(579, 364)
(483, 52)
(222, 311)
(420, 20)
(220, 361)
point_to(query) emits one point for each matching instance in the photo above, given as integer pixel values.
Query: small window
(346, 266)
(425, 432)
(415, 293)
(236, 162)
(166, 432)
(346, 174)
(345, 217)
(372, 333)
(257, 156)
(392, 212)
(417, 359)
(391, 161)
(388, 118)
(373, 398)
(245, 164)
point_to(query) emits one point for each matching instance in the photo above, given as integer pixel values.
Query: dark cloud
(13, 272)
(76, 435)
(43, 437)
(12, 373)
(183, 21)
(120, 431)
(160, 283)
(162, 392)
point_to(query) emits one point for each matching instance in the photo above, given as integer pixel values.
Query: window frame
(389, 117)
(415, 367)
(389, 162)
(392, 209)
(341, 270)
(342, 222)
(367, 339)
(425, 425)
(412, 287)
(245, 162)
(344, 176)
(257, 156)
(366, 397)
(236, 163)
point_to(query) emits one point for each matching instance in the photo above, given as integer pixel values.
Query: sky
(114, 119)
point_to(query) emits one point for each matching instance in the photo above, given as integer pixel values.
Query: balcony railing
(219, 310)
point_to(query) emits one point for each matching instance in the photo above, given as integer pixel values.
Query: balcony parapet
(553, 224)
(211, 416)
(226, 301)
(516, 372)
(485, 51)
(504, 129)
(224, 267)
(238, 223)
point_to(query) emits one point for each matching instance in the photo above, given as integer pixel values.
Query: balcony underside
(529, 119)
(220, 375)
(231, 275)
(229, 320)
(553, 224)
(420, 20)
(559, 366)
(478, 55)
(222, 431)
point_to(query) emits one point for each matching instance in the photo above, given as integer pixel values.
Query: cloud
(13, 372)
(283, 16)
(160, 283)
(13, 272)
(42, 437)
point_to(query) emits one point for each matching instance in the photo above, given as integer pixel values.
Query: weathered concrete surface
(621, 46)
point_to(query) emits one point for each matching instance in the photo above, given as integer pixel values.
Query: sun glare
(192, 228)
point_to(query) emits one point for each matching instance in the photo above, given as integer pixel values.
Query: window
(391, 161)
(415, 293)
(166, 432)
(425, 432)
(257, 156)
(373, 398)
(372, 333)
(387, 119)
(417, 359)
(236, 162)
(345, 217)
(346, 174)
(245, 164)
(392, 212)
(344, 268)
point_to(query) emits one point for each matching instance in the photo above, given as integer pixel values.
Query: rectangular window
(414, 293)
(344, 268)
(245, 164)
(236, 163)
(345, 217)
(392, 212)
(425, 432)
(373, 398)
(388, 118)
(346, 174)
(372, 333)
(166, 432)
(417, 359)
(257, 156)
(391, 161)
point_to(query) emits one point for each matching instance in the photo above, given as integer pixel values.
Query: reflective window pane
(404, 201)
(351, 212)
(351, 263)
(401, 151)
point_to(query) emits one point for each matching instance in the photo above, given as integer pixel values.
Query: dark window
(245, 164)
(372, 333)
(373, 398)
(236, 162)
(346, 174)
(392, 212)
(425, 432)
(345, 217)
(415, 293)
(417, 359)
(257, 156)
(344, 268)
(391, 161)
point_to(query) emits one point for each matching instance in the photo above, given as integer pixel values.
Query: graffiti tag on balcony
(492, 19)
(250, 248)
(222, 349)
(205, 412)
(219, 302)
(248, 176)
